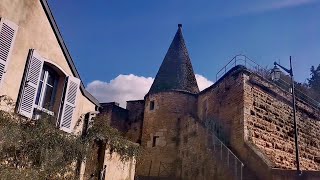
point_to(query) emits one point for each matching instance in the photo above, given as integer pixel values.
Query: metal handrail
(237, 60)
(252, 65)
(301, 95)
(229, 155)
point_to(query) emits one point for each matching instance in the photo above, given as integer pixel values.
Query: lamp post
(275, 75)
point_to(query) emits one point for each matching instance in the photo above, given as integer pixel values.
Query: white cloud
(203, 82)
(275, 5)
(129, 87)
(290, 3)
(262, 6)
(120, 89)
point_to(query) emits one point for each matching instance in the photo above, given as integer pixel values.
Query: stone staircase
(230, 162)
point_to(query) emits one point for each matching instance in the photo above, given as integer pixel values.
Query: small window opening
(47, 88)
(46, 93)
(154, 141)
(151, 105)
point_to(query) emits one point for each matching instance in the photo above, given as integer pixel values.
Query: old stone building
(38, 73)
(239, 128)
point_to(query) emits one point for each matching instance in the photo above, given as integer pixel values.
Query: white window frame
(39, 106)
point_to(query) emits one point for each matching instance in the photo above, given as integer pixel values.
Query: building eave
(65, 51)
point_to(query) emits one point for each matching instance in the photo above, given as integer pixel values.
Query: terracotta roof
(176, 72)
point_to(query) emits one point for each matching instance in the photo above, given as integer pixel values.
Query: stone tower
(171, 98)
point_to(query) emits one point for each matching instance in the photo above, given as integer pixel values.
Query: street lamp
(275, 76)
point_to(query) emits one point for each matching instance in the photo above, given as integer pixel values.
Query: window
(151, 105)
(8, 32)
(40, 93)
(154, 141)
(47, 89)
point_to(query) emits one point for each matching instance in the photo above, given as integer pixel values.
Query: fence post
(241, 171)
(235, 166)
(159, 169)
(228, 159)
(214, 143)
(220, 150)
(150, 168)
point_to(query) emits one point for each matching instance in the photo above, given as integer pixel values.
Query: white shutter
(31, 83)
(69, 104)
(8, 31)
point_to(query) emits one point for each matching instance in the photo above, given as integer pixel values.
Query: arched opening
(50, 90)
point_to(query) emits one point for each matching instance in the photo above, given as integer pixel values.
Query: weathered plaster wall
(269, 125)
(34, 33)
(100, 162)
(117, 169)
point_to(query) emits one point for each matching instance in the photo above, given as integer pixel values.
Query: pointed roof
(176, 72)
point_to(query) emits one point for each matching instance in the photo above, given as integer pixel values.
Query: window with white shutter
(8, 31)
(30, 86)
(67, 117)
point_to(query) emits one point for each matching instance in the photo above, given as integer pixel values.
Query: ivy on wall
(39, 150)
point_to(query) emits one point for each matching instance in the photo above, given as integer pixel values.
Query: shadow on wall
(215, 127)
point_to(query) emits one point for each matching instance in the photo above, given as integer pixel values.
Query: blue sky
(110, 38)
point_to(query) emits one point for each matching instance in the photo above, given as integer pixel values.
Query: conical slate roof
(176, 71)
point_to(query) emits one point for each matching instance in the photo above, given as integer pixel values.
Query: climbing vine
(37, 149)
(102, 131)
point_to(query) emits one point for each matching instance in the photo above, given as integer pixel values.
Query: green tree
(314, 82)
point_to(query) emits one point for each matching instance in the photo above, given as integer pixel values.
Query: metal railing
(228, 158)
(264, 72)
(299, 94)
(238, 60)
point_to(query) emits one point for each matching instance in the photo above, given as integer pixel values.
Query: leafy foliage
(314, 81)
(39, 150)
(101, 131)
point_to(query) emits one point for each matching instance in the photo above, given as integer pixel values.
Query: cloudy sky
(129, 87)
(118, 45)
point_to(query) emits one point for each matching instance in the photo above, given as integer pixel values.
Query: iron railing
(264, 72)
(227, 158)
(239, 60)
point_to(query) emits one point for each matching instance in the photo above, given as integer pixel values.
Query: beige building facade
(38, 74)
(36, 69)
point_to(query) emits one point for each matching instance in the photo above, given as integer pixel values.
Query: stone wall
(197, 158)
(221, 106)
(115, 116)
(250, 115)
(161, 131)
(269, 125)
(220, 109)
(135, 120)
